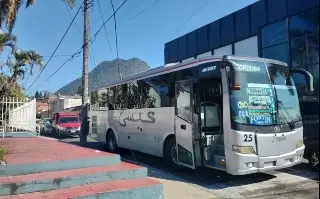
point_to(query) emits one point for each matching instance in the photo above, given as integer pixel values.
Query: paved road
(293, 183)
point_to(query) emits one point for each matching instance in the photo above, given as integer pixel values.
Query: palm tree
(10, 8)
(7, 40)
(19, 64)
(23, 59)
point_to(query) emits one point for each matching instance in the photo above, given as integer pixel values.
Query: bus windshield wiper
(278, 102)
(290, 122)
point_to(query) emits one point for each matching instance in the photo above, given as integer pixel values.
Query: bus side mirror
(234, 80)
(308, 77)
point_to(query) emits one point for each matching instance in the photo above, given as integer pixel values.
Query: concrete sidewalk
(41, 168)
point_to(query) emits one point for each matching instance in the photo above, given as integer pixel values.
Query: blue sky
(41, 26)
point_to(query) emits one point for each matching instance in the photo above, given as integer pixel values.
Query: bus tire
(111, 142)
(170, 153)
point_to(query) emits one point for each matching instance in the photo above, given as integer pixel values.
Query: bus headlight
(299, 144)
(243, 149)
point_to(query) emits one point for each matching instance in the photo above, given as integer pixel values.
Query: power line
(115, 29)
(57, 46)
(104, 26)
(139, 13)
(142, 11)
(132, 6)
(92, 58)
(70, 59)
(92, 39)
(45, 56)
(194, 14)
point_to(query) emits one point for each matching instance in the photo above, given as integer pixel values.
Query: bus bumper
(255, 164)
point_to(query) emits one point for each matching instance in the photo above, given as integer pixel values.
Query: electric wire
(104, 27)
(92, 39)
(64, 35)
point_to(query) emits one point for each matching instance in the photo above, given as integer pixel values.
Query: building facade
(285, 30)
(64, 103)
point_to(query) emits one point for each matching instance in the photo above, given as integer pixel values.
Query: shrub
(2, 153)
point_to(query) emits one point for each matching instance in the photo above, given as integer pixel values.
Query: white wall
(226, 50)
(58, 105)
(206, 54)
(189, 59)
(24, 116)
(247, 47)
(69, 103)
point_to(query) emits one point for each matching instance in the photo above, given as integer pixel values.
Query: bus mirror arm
(307, 75)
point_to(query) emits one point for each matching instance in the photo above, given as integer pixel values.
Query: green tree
(9, 10)
(18, 64)
(36, 95)
(7, 40)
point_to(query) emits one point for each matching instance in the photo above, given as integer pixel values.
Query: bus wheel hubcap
(315, 159)
(173, 152)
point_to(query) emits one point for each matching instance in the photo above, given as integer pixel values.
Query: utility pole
(84, 112)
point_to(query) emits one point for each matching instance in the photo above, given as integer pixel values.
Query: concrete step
(24, 158)
(13, 185)
(143, 188)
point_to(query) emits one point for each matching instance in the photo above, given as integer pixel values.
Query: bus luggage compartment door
(184, 124)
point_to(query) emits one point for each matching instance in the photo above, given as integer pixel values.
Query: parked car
(47, 128)
(66, 123)
(310, 115)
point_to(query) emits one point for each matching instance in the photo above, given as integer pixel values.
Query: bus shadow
(202, 177)
(302, 170)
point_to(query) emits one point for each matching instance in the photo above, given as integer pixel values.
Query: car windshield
(267, 95)
(47, 120)
(69, 119)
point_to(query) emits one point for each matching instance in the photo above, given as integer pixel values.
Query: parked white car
(46, 125)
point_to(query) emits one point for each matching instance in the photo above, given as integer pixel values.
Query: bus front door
(184, 123)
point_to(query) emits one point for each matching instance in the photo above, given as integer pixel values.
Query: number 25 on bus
(237, 114)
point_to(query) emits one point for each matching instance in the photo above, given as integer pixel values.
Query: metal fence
(17, 115)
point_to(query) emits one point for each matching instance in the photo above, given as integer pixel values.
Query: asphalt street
(296, 182)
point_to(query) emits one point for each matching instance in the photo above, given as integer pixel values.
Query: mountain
(105, 73)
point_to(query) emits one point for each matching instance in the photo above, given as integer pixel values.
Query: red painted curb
(67, 173)
(36, 150)
(87, 190)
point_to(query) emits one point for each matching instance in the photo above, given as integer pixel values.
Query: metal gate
(17, 115)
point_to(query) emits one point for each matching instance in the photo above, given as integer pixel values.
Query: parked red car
(66, 123)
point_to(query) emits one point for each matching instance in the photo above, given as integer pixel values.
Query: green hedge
(2, 153)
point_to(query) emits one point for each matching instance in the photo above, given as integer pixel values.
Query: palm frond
(70, 3)
(30, 2)
(13, 7)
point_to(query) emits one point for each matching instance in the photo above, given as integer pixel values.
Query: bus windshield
(266, 94)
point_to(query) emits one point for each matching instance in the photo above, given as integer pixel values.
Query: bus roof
(172, 67)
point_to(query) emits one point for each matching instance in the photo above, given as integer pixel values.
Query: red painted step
(135, 188)
(36, 150)
(67, 173)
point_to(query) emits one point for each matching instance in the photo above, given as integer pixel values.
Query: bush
(2, 153)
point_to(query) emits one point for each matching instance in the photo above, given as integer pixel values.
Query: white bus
(236, 114)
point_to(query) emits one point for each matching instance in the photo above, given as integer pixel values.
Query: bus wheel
(170, 152)
(313, 157)
(112, 142)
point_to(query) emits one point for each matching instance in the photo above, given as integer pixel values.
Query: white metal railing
(17, 115)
